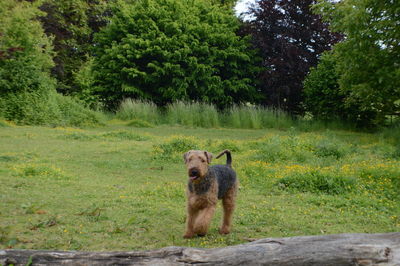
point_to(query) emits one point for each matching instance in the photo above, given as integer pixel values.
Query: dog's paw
(188, 235)
(224, 231)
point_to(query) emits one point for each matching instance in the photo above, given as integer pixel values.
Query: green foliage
(27, 93)
(35, 108)
(322, 97)
(25, 51)
(317, 182)
(367, 60)
(72, 23)
(169, 50)
(83, 80)
(30, 108)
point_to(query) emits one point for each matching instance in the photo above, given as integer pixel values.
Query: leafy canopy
(368, 60)
(25, 51)
(290, 38)
(72, 23)
(168, 50)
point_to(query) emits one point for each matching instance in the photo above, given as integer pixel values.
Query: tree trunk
(344, 249)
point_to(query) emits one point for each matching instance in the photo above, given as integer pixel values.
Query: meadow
(121, 186)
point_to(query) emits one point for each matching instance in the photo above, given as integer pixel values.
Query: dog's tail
(228, 157)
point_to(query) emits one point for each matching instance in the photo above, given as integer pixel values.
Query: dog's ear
(185, 156)
(208, 156)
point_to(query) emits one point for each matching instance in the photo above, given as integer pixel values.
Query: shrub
(322, 97)
(35, 108)
(74, 113)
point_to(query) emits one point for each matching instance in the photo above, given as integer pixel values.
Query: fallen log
(343, 249)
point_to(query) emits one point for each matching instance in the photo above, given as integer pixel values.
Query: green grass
(120, 187)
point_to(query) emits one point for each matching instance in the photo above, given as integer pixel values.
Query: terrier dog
(206, 185)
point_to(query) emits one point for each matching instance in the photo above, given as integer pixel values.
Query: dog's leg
(228, 203)
(203, 220)
(192, 214)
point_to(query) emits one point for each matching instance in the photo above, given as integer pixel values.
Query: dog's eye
(203, 161)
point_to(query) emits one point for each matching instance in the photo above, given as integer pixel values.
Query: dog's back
(226, 178)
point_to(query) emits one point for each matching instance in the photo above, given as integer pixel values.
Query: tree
(290, 38)
(369, 58)
(73, 24)
(27, 92)
(322, 97)
(167, 50)
(25, 51)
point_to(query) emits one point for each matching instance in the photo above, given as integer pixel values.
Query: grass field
(120, 187)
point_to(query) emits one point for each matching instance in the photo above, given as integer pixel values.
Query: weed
(327, 148)
(139, 123)
(30, 208)
(318, 182)
(52, 221)
(174, 147)
(125, 135)
(39, 170)
(8, 158)
(80, 136)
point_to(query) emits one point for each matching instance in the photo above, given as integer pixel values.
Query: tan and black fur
(206, 185)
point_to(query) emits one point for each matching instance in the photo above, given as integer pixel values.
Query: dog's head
(197, 164)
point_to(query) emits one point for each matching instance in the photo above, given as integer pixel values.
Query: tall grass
(206, 115)
(255, 117)
(193, 114)
(137, 109)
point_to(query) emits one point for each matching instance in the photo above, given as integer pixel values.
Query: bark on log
(344, 249)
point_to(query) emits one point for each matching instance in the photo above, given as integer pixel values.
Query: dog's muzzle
(194, 174)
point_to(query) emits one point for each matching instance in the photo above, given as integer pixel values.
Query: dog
(206, 185)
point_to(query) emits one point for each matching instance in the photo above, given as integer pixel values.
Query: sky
(241, 6)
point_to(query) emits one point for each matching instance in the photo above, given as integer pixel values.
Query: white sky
(241, 6)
